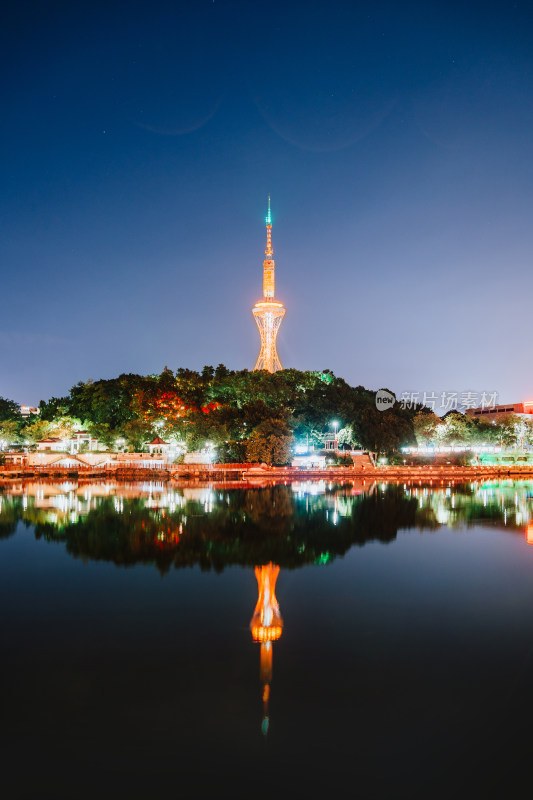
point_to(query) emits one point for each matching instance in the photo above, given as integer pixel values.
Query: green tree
(347, 437)
(9, 410)
(104, 433)
(55, 407)
(270, 441)
(428, 428)
(224, 406)
(63, 426)
(509, 430)
(384, 431)
(36, 431)
(258, 448)
(9, 432)
(457, 429)
(231, 452)
(137, 433)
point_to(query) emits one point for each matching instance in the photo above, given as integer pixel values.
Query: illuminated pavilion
(268, 312)
(266, 627)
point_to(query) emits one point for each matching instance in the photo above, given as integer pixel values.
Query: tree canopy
(9, 410)
(247, 415)
(252, 414)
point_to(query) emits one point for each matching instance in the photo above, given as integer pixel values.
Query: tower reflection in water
(266, 627)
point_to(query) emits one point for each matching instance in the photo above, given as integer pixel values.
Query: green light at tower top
(268, 218)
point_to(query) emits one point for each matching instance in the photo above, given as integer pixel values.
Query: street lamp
(335, 427)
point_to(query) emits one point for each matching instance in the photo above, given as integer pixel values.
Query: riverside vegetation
(246, 415)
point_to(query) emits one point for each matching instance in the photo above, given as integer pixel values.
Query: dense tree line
(246, 415)
(508, 431)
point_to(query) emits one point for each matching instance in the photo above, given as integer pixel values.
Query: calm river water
(287, 641)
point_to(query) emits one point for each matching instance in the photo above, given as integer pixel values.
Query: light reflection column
(266, 626)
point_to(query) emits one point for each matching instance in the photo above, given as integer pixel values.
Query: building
(27, 411)
(15, 459)
(494, 412)
(53, 444)
(90, 459)
(82, 440)
(158, 446)
(79, 441)
(268, 312)
(331, 442)
(311, 461)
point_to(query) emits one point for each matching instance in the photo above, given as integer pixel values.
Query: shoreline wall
(218, 473)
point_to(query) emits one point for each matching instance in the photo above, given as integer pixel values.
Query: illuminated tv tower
(268, 312)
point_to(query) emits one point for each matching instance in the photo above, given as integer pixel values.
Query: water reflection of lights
(442, 515)
(266, 626)
(510, 502)
(313, 488)
(205, 496)
(449, 506)
(529, 533)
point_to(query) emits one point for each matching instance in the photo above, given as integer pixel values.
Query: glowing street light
(335, 424)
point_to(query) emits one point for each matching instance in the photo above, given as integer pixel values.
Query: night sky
(140, 142)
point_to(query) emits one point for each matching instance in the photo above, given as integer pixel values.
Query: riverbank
(220, 473)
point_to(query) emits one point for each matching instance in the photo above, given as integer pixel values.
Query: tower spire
(268, 249)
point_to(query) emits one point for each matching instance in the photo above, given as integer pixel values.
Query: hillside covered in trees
(248, 416)
(239, 412)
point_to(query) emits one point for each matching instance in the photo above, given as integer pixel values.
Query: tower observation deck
(268, 312)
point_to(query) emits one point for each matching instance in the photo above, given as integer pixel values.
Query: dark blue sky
(140, 141)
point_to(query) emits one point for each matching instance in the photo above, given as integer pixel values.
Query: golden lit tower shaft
(268, 312)
(269, 265)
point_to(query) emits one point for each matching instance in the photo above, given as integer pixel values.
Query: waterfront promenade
(215, 473)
